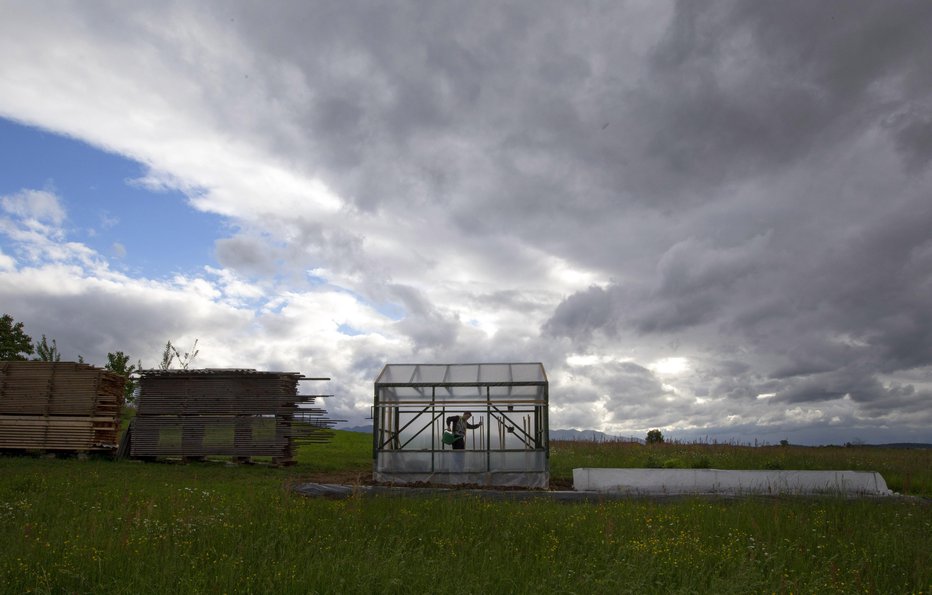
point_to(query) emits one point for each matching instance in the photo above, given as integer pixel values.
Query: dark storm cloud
(865, 299)
(516, 120)
(823, 320)
(860, 386)
(511, 299)
(628, 377)
(308, 244)
(242, 253)
(627, 390)
(99, 320)
(743, 184)
(534, 121)
(581, 314)
(696, 281)
(913, 133)
(739, 89)
(415, 101)
(424, 324)
(829, 287)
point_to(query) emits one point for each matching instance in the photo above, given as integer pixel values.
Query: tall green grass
(906, 471)
(99, 526)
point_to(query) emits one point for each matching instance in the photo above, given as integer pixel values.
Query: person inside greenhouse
(458, 424)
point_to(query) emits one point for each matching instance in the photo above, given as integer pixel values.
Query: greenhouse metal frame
(412, 403)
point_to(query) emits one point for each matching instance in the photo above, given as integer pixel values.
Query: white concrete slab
(717, 481)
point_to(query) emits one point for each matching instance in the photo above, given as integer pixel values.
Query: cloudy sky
(710, 218)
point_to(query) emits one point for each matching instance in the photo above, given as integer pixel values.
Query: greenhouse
(506, 433)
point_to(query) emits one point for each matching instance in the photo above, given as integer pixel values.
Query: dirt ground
(359, 478)
(339, 478)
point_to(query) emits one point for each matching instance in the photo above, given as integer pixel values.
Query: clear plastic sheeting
(526, 469)
(508, 405)
(462, 461)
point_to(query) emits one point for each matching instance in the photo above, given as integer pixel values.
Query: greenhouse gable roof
(461, 374)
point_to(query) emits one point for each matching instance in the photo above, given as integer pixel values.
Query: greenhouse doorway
(412, 405)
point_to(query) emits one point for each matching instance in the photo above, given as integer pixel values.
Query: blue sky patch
(349, 330)
(153, 234)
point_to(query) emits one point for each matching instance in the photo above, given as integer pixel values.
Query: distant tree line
(16, 345)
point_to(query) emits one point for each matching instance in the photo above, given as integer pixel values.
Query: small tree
(171, 354)
(168, 354)
(654, 437)
(188, 358)
(46, 352)
(15, 344)
(118, 363)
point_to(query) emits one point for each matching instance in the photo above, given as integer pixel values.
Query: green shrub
(700, 463)
(653, 462)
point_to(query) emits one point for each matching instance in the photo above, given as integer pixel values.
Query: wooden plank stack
(238, 413)
(59, 406)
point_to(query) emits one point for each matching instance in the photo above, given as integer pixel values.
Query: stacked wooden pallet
(238, 413)
(61, 406)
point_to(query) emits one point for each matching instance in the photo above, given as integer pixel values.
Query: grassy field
(101, 526)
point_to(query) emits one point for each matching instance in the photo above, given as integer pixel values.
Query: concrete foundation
(716, 481)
